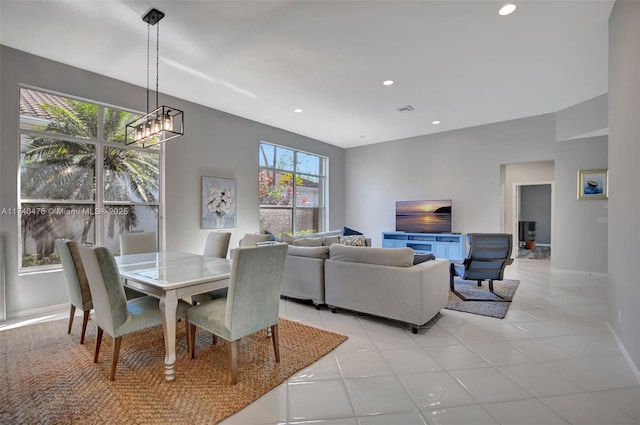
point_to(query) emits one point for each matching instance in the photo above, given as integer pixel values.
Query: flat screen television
(427, 216)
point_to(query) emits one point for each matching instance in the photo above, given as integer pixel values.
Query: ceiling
(455, 61)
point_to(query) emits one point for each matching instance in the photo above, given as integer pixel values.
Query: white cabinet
(443, 245)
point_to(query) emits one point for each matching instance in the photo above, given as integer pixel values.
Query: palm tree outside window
(78, 180)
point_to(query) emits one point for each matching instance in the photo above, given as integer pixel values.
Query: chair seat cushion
(144, 312)
(210, 316)
(210, 296)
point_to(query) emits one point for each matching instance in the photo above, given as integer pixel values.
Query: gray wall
(215, 144)
(466, 166)
(535, 205)
(580, 238)
(624, 196)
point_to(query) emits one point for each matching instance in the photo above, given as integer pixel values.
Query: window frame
(98, 202)
(323, 186)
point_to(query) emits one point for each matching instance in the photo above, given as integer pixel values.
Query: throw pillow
(355, 240)
(421, 258)
(275, 238)
(350, 232)
(307, 242)
(328, 240)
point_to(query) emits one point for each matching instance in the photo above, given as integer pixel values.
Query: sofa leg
(414, 329)
(334, 310)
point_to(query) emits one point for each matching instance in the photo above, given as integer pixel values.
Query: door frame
(515, 208)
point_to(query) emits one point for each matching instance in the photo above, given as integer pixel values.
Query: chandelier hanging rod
(164, 123)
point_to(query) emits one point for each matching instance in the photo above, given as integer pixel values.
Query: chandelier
(163, 123)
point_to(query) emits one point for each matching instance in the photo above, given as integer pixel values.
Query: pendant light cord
(148, 46)
(157, 61)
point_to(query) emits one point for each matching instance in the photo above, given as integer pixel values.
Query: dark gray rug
(470, 289)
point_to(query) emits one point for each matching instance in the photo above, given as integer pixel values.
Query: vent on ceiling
(406, 108)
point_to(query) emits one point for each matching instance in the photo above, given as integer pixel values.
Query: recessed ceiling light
(297, 110)
(387, 82)
(436, 122)
(507, 9)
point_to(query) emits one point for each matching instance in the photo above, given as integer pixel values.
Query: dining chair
(251, 305)
(216, 245)
(76, 280)
(113, 313)
(137, 242)
(487, 256)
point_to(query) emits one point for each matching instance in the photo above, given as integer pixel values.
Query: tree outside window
(77, 179)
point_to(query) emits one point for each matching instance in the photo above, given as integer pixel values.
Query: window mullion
(99, 180)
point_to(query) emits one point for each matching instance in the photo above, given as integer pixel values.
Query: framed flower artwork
(218, 203)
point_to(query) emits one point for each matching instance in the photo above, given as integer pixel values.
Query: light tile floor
(550, 361)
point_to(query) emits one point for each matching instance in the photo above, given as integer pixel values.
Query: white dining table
(170, 276)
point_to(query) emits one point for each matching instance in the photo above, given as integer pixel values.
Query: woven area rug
(47, 377)
(470, 289)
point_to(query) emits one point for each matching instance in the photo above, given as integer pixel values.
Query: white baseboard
(41, 311)
(625, 353)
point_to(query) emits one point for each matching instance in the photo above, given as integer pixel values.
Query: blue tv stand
(443, 245)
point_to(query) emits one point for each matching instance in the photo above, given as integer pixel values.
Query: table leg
(168, 307)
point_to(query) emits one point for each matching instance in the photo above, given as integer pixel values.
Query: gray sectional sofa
(379, 281)
(384, 282)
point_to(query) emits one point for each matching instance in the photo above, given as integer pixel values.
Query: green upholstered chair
(113, 313)
(77, 284)
(487, 256)
(216, 245)
(252, 303)
(138, 243)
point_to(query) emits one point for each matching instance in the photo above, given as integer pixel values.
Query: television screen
(423, 216)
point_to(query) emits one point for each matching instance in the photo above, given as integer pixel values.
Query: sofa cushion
(397, 257)
(328, 240)
(320, 252)
(350, 232)
(331, 233)
(355, 240)
(307, 242)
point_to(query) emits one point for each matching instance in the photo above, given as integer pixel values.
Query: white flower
(219, 201)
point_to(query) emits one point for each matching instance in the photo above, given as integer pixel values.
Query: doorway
(515, 178)
(534, 220)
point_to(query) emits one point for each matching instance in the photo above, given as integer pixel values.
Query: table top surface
(171, 270)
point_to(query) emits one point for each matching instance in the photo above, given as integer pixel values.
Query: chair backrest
(488, 255)
(107, 291)
(252, 239)
(138, 243)
(253, 299)
(217, 244)
(74, 274)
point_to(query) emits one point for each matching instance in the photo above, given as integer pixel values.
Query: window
(77, 178)
(292, 190)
